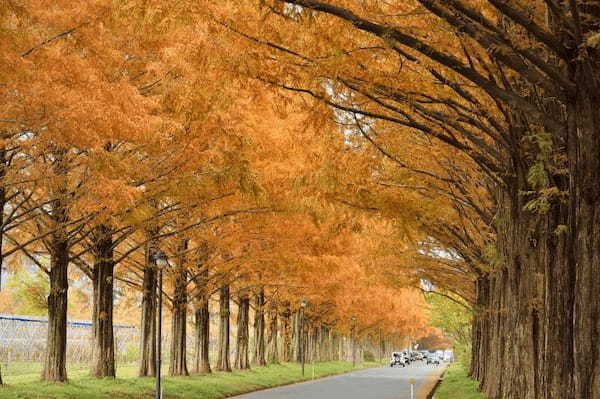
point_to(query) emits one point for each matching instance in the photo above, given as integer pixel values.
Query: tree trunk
(314, 339)
(259, 329)
(335, 351)
(319, 341)
(242, 360)
(381, 346)
(510, 338)
(480, 333)
(202, 324)
(582, 265)
(306, 341)
(223, 362)
(103, 346)
(56, 344)
(178, 361)
(273, 352)
(148, 322)
(343, 351)
(537, 339)
(202, 365)
(297, 336)
(323, 343)
(286, 332)
(330, 350)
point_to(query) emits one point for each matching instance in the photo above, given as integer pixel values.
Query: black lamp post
(303, 304)
(160, 260)
(353, 341)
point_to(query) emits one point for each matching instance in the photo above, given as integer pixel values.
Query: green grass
(126, 385)
(457, 384)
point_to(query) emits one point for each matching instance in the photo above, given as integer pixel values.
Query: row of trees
(485, 117)
(125, 130)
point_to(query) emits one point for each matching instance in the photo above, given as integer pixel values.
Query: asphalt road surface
(378, 383)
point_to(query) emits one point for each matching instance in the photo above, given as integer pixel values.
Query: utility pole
(160, 260)
(159, 335)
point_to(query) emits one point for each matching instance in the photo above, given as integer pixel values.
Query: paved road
(379, 383)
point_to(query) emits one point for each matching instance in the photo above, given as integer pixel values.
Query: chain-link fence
(23, 339)
(23, 345)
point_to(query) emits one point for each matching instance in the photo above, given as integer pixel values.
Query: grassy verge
(126, 385)
(457, 384)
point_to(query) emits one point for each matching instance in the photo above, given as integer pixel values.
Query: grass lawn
(126, 385)
(457, 384)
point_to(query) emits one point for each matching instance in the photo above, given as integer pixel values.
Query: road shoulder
(430, 383)
(457, 384)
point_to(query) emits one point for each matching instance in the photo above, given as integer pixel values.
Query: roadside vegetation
(451, 315)
(457, 384)
(127, 385)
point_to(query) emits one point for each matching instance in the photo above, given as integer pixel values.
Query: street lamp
(161, 261)
(353, 341)
(303, 304)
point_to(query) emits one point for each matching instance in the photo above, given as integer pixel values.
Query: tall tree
(178, 360)
(202, 314)
(273, 331)
(259, 328)
(103, 284)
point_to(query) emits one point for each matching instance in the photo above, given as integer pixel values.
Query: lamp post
(353, 341)
(160, 260)
(303, 304)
